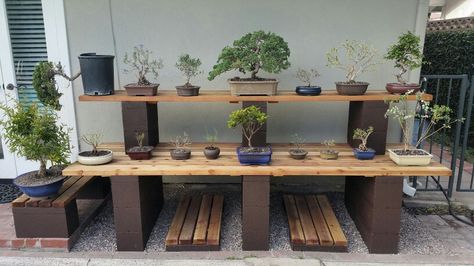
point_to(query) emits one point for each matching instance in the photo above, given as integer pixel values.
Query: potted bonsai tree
(190, 68)
(306, 76)
(253, 52)
(329, 153)
(407, 56)
(140, 61)
(140, 152)
(181, 152)
(363, 152)
(297, 152)
(250, 119)
(360, 59)
(211, 151)
(94, 156)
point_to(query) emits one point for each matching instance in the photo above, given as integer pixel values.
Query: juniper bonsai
(141, 62)
(406, 53)
(189, 67)
(363, 135)
(251, 119)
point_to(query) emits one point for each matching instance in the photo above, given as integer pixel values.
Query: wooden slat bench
(313, 224)
(196, 226)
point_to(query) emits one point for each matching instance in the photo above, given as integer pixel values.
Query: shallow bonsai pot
(424, 158)
(308, 91)
(399, 88)
(133, 89)
(137, 153)
(181, 154)
(104, 156)
(364, 155)
(252, 87)
(42, 189)
(187, 90)
(355, 88)
(212, 153)
(329, 155)
(254, 158)
(298, 154)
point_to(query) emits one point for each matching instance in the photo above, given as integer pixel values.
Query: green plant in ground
(363, 135)
(140, 61)
(211, 138)
(360, 58)
(297, 142)
(306, 76)
(253, 52)
(251, 119)
(181, 142)
(406, 53)
(94, 140)
(189, 67)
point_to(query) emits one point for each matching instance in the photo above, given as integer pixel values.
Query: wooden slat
(186, 236)
(173, 233)
(200, 233)
(66, 185)
(71, 193)
(331, 220)
(20, 201)
(296, 231)
(32, 203)
(325, 238)
(311, 238)
(214, 231)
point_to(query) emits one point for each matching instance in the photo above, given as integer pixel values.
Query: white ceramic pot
(95, 160)
(413, 160)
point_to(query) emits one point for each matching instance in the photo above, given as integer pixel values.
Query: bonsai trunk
(42, 170)
(399, 76)
(142, 80)
(255, 71)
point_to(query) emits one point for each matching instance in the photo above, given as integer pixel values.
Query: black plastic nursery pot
(97, 73)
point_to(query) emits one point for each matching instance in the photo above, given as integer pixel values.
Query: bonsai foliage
(253, 52)
(140, 61)
(211, 138)
(360, 58)
(181, 142)
(406, 53)
(189, 67)
(329, 145)
(94, 140)
(306, 76)
(363, 135)
(297, 142)
(251, 119)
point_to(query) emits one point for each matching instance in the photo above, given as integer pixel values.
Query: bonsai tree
(140, 61)
(251, 119)
(329, 145)
(140, 136)
(306, 76)
(297, 143)
(253, 52)
(406, 53)
(189, 67)
(363, 135)
(140, 152)
(211, 138)
(93, 140)
(181, 142)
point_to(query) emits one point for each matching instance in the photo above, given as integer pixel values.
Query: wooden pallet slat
(331, 220)
(202, 223)
(187, 232)
(311, 238)
(71, 193)
(325, 238)
(296, 231)
(46, 203)
(214, 231)
(178, 220)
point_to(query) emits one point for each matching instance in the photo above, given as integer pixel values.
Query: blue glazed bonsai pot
(41, 190)
(364, 155)
(254, 158)
(308, 91)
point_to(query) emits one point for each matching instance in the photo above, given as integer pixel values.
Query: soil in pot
(187, 90)
(212, 153)
(351, 88)
(135, 89)
(399, 88)
(308, 90)
(329, 154)
(140, 153)
(180, 154)
(95, 158)
(31, 179)
(418, 152)
(298, 154)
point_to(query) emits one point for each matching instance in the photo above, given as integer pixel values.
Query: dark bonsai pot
(140, 153)
(351, 88)
(212, 153)
(180, 154)
(399, 88)
(308, 90)
(298, 154)
(35, 187)
(134, 89)
(97, 73)
(256, 156)
(364, 155)
(187, 90)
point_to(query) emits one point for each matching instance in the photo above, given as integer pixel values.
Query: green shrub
(251, 119)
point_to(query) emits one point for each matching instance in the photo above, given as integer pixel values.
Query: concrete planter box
(263, 87)
(410, 160)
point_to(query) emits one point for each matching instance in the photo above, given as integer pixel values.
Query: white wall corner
(420, 30)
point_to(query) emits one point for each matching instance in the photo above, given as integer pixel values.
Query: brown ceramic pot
(354, 88)
(187, 90)
(180, 154)
(212, 153)
(137, 153)
(134, 89)
(399, 88)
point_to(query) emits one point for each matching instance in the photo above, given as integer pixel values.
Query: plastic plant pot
(97, 73)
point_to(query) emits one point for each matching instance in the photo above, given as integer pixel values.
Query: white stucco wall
(458, 9)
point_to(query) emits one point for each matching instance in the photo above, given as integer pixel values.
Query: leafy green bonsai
(363, 135)
(406, 53)
(251, 119)
(253, 52)
(189, 67)
(141, 62)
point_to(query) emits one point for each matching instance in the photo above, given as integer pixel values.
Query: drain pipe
(407, 189)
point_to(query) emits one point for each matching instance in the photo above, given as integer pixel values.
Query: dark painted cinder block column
(139, 116)
(137, 202)
(255, 212)
(260, 138)
(365, 114)
(374, 204)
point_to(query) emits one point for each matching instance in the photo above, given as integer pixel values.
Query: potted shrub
(190, 68)
(250, 119)
(329, 153)
(140, 152)
(94, 156)
(363, 152)
(407, 55)
(296, 151)
(360, 58)
(211, 151)
(306, 76)
(180, 152)
(141, 63)
(253, 52)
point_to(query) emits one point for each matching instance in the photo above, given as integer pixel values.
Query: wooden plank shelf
(313, 224)
(224, 96)
(196, 225)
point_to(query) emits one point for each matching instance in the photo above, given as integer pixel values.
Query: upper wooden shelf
(224, 96)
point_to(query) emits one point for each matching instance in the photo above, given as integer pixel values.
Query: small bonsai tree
(363, 135)
(329, 145)
(253, 52)
(360, 58)
(189, 67)
(306, 76)
(406, 53)
(297, 143)
(140, 136)
(141, 63)
(181, 142)
(251, 119)
(211, 138)
(94, 140)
